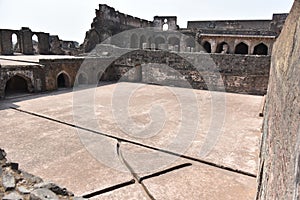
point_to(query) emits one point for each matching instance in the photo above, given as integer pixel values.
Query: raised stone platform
(28, 60)
(105, 161)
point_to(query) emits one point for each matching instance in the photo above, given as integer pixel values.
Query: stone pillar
(145, 45)
(26, 41)
(44, 43)
(213, 46)
(176, 48)
(153, 46)
(6, 46)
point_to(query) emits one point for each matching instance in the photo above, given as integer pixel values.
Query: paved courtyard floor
(137, 141)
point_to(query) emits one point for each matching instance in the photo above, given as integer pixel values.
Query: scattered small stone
(13, 196)
(23, 190)
(31, 178)
(8, 181)
(16, 184)
(43, 194)
(14, 166)
(54, 188)
(2, 157)
(2, 154)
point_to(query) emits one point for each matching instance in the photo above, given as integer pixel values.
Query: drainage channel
(135, 175)
(109, 189)
(142, 145)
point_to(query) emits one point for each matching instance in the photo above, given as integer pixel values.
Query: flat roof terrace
(54, 136)
(17, 60)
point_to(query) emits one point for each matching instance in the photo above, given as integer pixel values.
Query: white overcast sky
(70, 19)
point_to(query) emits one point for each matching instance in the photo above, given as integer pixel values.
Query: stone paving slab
(131, 192)
(54, 152)
(236, 142)
(201, 182)
(180, 178)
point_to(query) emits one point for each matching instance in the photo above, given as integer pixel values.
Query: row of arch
(189, 45)
(20, 84)
(15, 41)
(161, 42)
(240, 48)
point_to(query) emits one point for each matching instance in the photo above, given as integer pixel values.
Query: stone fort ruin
(252, 57)
(241, 50)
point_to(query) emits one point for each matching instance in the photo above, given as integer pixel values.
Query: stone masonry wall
(33, 74)
(53, 68)
(238, 73)
(279, 176)
(244, 74)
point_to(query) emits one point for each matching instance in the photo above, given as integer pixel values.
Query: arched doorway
(165, 26)
(261, 49)
(63, 80)
(16, 85)
(175, 42)
(241, 48)
(35, 44)
(159, 40)
(134, 42)
(15, 43)
(142, 41)
(207, 47)
(223, 48)
(82, 79)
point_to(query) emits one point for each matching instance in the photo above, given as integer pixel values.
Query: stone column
(6, 46)
(26, 41)
(43, 45)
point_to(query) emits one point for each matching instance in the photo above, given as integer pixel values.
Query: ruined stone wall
(109, 22)
(239, 74)
(245, 27)
(53, 68)
(279, 176)
(26, 45)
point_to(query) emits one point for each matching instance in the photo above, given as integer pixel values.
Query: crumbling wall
(33, 74)
(237, 73)
(279, 176)
(109, 22)
(45, 45)
(245, 27)
(53, 68)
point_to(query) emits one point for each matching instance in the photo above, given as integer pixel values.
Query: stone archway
(241, 48)
(134, 42)
(63, 80)
(18, 85)
(261, 49)
(82, 79)
(223, 48)
(207, 47)
(159, 41)
(142, 42)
